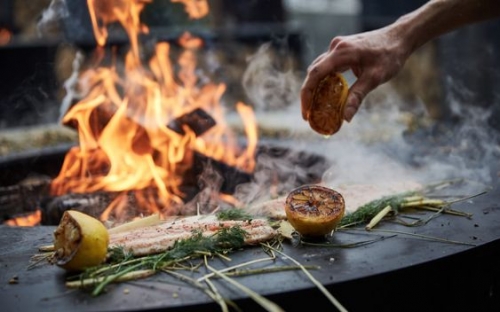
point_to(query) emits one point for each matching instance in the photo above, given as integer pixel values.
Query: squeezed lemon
(80, 241)
(326, 114)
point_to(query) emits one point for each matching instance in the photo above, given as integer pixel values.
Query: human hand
(374, 57)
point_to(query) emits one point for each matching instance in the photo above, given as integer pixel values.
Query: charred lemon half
(314, 210)
(80, 241)
(327, 108)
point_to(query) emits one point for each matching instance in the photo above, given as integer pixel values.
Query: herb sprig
(122, 266)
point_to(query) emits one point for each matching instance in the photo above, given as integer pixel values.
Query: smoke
(470, 144)
(380, 147)
(50, 21)
(71, 86)
(50, 25)
(269, 81)
(388, 143)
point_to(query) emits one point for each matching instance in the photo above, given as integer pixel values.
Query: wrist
(403, 38)
(420, 26)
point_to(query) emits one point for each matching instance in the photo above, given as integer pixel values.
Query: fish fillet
(159, 238)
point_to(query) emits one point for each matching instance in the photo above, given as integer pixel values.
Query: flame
(31, 219)
(195, 8)
(126, 12)
(125, 142)
(5, 36)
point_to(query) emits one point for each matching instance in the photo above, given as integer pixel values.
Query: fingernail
(349, 113)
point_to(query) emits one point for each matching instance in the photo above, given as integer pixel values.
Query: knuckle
(358, 95)
(339, 40)
(377, 78)
(312, 70)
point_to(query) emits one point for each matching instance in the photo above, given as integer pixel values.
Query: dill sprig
(122, 266)
(224, 239)
(368, 211)
(376, 210)
(118, 254)
(235, 214)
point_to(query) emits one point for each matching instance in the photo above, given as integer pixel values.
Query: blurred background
(38, 46)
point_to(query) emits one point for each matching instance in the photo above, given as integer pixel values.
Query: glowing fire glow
(31, 219)
(195, 8)
(5, 36)
(125, 143)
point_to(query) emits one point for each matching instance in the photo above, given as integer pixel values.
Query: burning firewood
(198, 120)
(206, 174)
(23, 197)
(92, 204)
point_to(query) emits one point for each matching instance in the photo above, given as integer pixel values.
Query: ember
(140, 124)
(30, 219)
(5, 36)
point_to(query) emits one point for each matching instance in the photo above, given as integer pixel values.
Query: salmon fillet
(162, 237)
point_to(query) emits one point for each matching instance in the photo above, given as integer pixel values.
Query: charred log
(92, 204)
(197, 120)
(23, 197)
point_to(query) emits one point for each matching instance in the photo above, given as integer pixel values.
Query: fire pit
(458, 271)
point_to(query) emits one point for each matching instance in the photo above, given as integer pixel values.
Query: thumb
(357, 93)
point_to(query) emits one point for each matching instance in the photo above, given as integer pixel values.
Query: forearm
(438, 17)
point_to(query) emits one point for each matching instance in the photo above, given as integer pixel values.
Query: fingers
(358, 91)
(307, 91)
(335, 42)
(353, 102)
(318, 59)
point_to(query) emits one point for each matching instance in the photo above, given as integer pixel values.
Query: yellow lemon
(80, 241)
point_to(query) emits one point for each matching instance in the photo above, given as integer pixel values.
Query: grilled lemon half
(314, 210)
